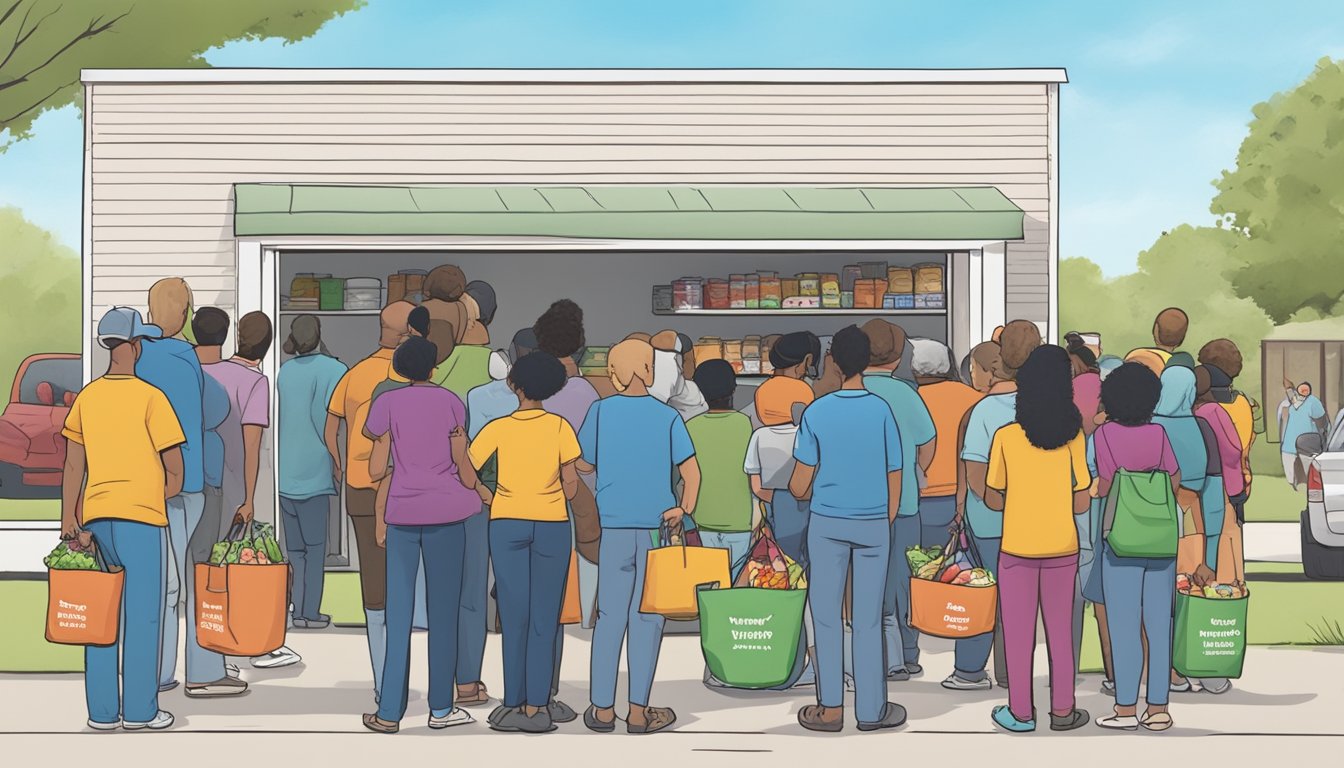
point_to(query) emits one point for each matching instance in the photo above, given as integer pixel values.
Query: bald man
(351, 401)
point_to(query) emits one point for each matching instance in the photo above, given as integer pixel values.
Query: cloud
(1153, 45)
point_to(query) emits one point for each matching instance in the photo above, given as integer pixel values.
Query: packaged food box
(594, 361)
(873, 270)
(688, 293)
(868, 293)
(751, 355)
(771, 295)
(929, 301)
(767, 368)
(708, 348)
(851, 274)
(898, 301)
(363, 293)
(900, 280)
(662, 297)
(830, 301)
(789, 286)
(846, 299)
(830, 284)
(809, 284)
(737, 291)
(306, 285)
(928, 278)
(802, 302)
(753, 291)
(716, 294)
(732, 353)
(331, 295)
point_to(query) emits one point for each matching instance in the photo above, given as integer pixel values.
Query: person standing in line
(634, 443)
(997, 409)
(849, 462)
(170, 365)
(1169, 329)
(1087, 397)
(309, 478)
(724, 512)
(1224, 363)
(793, 356)
(918, 439)
(673, 354)
(350, 402)
(123, 461)
(530, 538)
(948, 401)
(1038, 478)
(421, 427)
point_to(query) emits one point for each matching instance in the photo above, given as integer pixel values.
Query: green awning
(630, 213)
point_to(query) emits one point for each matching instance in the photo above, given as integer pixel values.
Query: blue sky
(1158, 102)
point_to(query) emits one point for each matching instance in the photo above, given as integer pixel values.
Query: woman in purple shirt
(422, 428)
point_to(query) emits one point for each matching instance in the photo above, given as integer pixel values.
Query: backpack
(1141, 519)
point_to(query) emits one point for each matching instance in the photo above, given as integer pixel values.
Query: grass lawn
(30, 509)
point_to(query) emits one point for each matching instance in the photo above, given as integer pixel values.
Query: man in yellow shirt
(350, 401)
(123, 462)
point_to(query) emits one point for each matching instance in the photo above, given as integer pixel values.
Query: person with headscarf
(634, 443)
(1175, 412)
(1224, 363)
(948, 401)
(670, 383)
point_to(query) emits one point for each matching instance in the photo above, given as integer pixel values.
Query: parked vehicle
(1323, 519)
(32, 450)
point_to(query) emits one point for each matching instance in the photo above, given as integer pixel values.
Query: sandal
(1159, 721)
(595, 725)
(656, 719)
(815, 717)
(378, 725)
(478, 697)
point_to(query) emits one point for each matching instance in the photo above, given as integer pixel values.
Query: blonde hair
(169, 302)
(625, 361)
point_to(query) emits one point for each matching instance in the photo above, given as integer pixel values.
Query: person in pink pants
(1039, 478)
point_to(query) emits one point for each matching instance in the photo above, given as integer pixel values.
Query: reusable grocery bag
(953, 610)
(672, 574)
(241, 607)
(1210, 636)
(571, 612)
(83, 606)
(1141, 516)
(751, 637)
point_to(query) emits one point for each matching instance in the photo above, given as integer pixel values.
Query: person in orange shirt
(350, 401)
(948, 400)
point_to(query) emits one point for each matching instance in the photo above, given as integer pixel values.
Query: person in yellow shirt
(1223, 360)
(123, 461)
(530, 536)
(1038, 476)
(1169, 329)
(350, 401)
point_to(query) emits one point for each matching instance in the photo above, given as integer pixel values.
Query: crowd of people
(459, 461)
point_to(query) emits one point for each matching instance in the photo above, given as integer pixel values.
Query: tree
(1287, 195)
(39, 293)
(45, 43)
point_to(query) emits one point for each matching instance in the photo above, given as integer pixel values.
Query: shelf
(331, 312)
(804, 312)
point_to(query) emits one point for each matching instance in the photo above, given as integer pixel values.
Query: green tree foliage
(1188, 267)
(45, 43)
(39, 293)
(1287, 195)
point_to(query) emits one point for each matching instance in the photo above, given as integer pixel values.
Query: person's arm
(1082, 475)
(72, 484)
(173, 471)
(465, 471)
(331, 436)
(961, 467)
(893, 495)
(690, 491)
(924, 455)
(251, 466)
(380, 508)
(800, 483)
(380, 458)
(996, 475)
(994, 499)
(764, 494)
(569, 479)
(975, 477)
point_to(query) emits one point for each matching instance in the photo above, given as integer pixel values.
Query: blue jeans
(305, 528)
(531, 565)
(442, 548)
(471, 614)
(622, 556)
(122, 680)
(900, 640)
(836, 544)
(184, 515)
(972, 654)
(935, 518)
(1140, 594)
(736, 543)
(788, 518)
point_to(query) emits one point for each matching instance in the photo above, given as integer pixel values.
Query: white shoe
(1118, 723)
(458, 716)
(232, 670)
(161, 720)
(281, 657)
(97, 726)
(955, 683)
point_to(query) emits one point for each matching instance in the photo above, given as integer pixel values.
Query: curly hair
(1045, 406)
(559, 330)
(1129, 394)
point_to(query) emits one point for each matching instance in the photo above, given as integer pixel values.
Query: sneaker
(1183, 686)
(955, 683)
(1108, 688)
(849, 683)
(1119, 722)
(225, 686)
(161, 720)
(455, 716)
(893, 716)
(168, 686)
(97, 726)
(281, 657)
(231, 670)
(301, 623)
(914, 669)
(898, 675)
(1005, 719)
(561, 712)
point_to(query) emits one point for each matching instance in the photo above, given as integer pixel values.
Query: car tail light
(1315, 488)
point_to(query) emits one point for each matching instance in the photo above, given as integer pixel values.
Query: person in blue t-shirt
(633, 442)
(1300, 414)
(849, 461)
(308, 472)
(915, 426)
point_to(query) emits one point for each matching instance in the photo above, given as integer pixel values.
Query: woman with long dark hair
(1038, 478)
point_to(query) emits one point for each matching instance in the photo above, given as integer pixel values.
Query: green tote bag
(750, 637)
(1210, 637)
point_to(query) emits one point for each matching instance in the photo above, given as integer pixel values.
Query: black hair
(524, 343)
(418, 321)
(111, 344)
(210, 326)
(791, 348)
(1045, 406)
(1129, 394)
(538, 376)
(559, 330)
(850, 349)
(717, 382)
(414, 359)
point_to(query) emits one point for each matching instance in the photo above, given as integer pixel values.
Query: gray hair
(931, 358)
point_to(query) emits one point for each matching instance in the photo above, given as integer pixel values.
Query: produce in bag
(62, 558)
(261, 549)
(768, 567)
(1214, 591)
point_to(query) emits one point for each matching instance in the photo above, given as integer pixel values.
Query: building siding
(163, 158)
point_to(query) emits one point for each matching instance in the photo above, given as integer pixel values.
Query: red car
(32, 451)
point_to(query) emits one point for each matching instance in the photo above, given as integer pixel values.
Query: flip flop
(1160, 721)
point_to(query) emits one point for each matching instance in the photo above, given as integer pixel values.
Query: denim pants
(1140, 593)
(305, 529)
(531, 564)
(1028, 587)
(442, 548)
(972, 654)
(121, 681)
(835, 545)
(788, 518)
(471, 616)
(736, 543)
(184, 515)
(900, 640)
(936, 514)
(622, 556)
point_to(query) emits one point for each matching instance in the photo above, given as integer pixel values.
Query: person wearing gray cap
(124, 461)
(308, 474)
